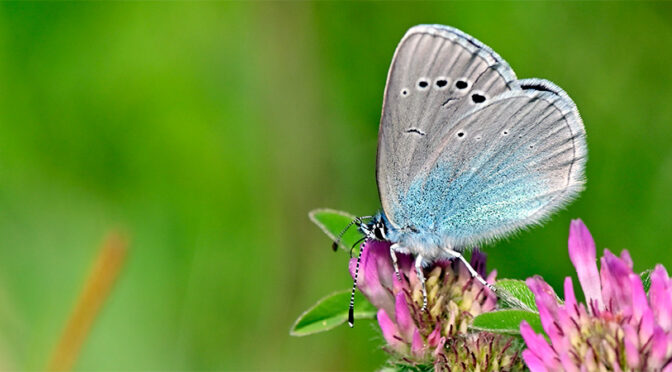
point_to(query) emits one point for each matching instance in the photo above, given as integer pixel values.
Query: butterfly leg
(473, 272)
(394, 260)
(421, 276)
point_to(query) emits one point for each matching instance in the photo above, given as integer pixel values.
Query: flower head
(440, 335)
(619, 329)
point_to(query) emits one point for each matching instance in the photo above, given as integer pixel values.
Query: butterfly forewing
(466, 151)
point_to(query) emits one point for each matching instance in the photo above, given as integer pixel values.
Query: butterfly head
(375, 229)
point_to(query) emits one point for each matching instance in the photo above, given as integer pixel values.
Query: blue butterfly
(467, 153)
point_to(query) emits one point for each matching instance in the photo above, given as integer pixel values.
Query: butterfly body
(467, 153)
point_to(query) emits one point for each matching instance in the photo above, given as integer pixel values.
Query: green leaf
(506, 321)
(646, 280)
(330, 312)
(332, 222)
(515, 294)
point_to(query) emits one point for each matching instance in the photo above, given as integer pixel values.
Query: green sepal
(515, 294)
(506, 321)
(646, 280)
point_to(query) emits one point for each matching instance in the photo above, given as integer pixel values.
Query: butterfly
(468, 153)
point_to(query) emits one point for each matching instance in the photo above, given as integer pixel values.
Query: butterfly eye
(461, 134)
(478, 138)
(505, 133)
(404, 92)
(423, 84)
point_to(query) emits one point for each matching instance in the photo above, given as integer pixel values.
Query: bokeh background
(206, 132)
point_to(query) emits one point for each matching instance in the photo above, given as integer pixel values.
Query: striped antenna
(357, 221)
(354, 245)
(351, 311)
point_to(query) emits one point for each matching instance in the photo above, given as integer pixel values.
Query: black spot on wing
(538, 87)
(416, 131)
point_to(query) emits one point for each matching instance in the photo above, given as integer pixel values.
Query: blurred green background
(208, 130)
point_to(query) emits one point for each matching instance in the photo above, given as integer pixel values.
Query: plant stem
(97, 286)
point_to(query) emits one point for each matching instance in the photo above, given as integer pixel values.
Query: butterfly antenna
(351, 311)
(357, 221)
(354, 245)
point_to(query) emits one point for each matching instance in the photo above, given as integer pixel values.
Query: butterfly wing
(479, 156)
